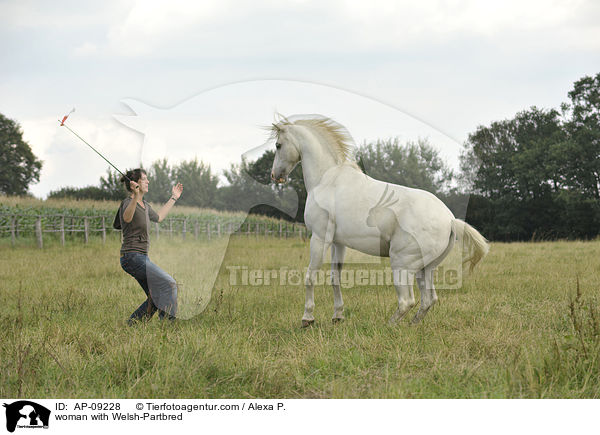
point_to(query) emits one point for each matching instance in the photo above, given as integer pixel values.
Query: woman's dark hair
(133, 175)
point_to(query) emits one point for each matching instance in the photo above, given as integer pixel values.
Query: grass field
(510, 331)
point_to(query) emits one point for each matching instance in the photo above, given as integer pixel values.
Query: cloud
(85, 49)
(69, 162)
(150, 25)
(220, 125)
(68, 14)
(224, 28)
(453, 63)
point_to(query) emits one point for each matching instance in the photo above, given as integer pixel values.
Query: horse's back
(417, 208)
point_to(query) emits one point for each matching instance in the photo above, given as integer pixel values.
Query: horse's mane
(335, 135)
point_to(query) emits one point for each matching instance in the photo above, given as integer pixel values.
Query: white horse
(345, 207)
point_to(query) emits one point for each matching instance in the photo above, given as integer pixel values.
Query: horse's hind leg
(337, 260)
(428, 294)
(403, 281)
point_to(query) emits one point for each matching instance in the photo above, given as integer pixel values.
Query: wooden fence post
(280, 229)
(196, 229)
(85, 230)
(103, 230)
(38, 232)
(184, 229)
(12, 230)
(62, 230)
(208, 230)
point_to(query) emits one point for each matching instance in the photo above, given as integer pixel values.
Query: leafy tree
(241, 194)
(583, 165)
(110, 189)
(111, 186)
(237, 195)
(415, 164)
(519, 172)
(538, 175)
(18, 165)
(520, 157)
(260, 170)
(89, 192)
(200, 184)
(161, 177)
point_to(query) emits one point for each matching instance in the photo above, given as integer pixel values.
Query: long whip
(62, 124)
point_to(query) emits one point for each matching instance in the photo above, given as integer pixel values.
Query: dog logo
(26, 414)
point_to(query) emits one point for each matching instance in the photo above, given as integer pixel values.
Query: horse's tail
(474, 244)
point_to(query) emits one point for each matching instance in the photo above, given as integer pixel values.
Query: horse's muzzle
(280, 179)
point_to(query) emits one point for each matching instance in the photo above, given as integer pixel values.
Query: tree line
(537, 175)
(534, 176)
(415, 164)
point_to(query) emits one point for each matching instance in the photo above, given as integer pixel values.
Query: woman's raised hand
(135, 187)
(177, 189)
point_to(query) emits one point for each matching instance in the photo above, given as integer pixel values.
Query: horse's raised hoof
(419, 316)
(307, 323)
(397, 316)
(336, 320)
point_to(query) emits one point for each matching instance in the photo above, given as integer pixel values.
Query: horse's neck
(316, 160)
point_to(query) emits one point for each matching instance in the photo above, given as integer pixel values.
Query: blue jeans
(155, 282)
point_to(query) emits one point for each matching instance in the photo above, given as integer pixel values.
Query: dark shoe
(133, 321)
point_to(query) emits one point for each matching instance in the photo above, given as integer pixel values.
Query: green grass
(508, 332)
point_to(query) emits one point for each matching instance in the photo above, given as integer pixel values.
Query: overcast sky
(202, 77)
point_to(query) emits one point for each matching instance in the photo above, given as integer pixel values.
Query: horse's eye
(278, 145)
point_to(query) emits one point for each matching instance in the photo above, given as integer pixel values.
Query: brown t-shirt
(135, 233)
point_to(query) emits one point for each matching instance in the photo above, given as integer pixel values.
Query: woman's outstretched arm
(175, 194)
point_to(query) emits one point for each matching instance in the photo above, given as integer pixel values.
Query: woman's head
(137, 175)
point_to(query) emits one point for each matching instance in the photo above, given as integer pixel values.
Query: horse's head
(287, 155)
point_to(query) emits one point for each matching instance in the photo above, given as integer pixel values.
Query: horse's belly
(367, 243)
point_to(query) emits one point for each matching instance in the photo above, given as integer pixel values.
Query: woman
(135, 215)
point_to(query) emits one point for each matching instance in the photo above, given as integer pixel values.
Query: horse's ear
(279, 118)
(276, 128)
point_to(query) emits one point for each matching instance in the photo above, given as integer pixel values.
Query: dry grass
(508, 332)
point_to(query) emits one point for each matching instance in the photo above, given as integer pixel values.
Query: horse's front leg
(337, 260)
(317, 249)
